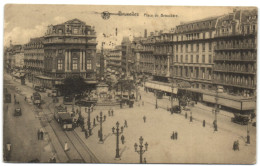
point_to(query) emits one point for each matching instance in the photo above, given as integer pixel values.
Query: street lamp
(141, 151)
(216, 111)
(101, 120)
(156, 104)
(171, 96)
(248, 131)
(88, 110)
(117, 133)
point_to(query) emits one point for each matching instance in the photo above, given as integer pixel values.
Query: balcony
(234, 84)
(227, 70)
(230, 34)
(235, 47)
(66, 41)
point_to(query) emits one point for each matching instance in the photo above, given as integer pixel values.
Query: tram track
(82, 150)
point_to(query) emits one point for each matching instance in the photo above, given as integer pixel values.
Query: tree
(74, 85)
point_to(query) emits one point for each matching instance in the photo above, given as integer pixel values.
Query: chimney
(145, 33)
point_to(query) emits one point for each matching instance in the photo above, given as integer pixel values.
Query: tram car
(63, 118)
(36, 99)
(7, 96)
(68, 100)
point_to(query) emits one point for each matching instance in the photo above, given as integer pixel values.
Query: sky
(22, 22)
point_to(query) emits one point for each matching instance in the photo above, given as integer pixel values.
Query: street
(194, 141)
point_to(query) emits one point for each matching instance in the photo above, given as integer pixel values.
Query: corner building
(69, 49)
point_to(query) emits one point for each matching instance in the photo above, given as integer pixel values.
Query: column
(66, 59)
(84, 60)
(80, 60)
(69, 60)
(168, 65)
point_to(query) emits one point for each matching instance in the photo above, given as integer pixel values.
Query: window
(203, 35)
(198, 47)
(186, 47)
(60, 31)
(74, 63)
(60, 64)
(186, 58)
(181, 58)
(75, 31)
(203, 58)
(210, 46)
(177, 58)
(181, 48)
(89, 64)
(191, 58)
(197, 58)
(203, 46)
(210, 34)
(177, 48)
(210, 59)
(191, 47)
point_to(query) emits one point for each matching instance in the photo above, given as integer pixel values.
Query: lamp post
(141, 151)
(100, 120)
(117, 133)
(88, 110)
(156, 104)
(171, 96)
(216, 110)
(248, 131)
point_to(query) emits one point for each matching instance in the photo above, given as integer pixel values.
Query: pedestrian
(123, 139)
(176, 135)
(140, 97)
(66, 146)
(25, 98)
(86, 133)
(237, 143)
(190, 117)
(112, 112)
(105, 117)
(144, 160)
(204, 123)
(38, 134)
(173, 135)
(142, 103)
(90, 132)
(108, 112)
(125, 125)
(41, 134)
(94, 122)
(186, 115)
(144, 118)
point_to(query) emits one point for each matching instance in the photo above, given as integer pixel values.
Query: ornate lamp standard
(156, 104)
(171, 96)
(101, 120)
(117, 133)
(248, 130)
(141, 151)
(89, 110)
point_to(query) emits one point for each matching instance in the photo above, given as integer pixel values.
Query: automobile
(175, 109)
(240, 119)
(42, 89)
(18, 112)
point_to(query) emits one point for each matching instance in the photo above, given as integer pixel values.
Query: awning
(164, 88)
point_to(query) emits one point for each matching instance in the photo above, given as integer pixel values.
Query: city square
(185, 96)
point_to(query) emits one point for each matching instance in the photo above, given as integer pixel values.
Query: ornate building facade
(69, 49)
(236, 52)
(34, 58)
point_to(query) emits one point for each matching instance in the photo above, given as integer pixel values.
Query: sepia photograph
(129, 84)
